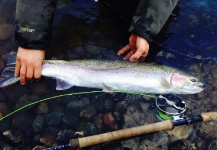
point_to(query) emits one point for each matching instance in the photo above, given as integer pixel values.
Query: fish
(111, 76)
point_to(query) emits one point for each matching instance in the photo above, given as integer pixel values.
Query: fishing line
(198, 57)
(70, 94)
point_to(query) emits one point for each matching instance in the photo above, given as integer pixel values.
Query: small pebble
(13, 138)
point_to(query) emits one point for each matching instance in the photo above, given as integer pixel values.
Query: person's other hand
(29, 64)
(138, 48)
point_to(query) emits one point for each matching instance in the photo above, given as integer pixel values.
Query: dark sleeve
(150, 17)
(33, 23)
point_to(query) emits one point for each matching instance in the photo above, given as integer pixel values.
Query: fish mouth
(200, 85)
(196, 88)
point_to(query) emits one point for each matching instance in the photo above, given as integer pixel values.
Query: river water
(89, 29)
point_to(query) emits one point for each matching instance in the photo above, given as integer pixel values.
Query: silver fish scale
(110, 65)
(112, 75)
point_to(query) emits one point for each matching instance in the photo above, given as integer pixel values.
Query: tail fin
(7, 77)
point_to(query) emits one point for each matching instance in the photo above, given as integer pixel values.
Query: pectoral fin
(165, 83)
(62, 85)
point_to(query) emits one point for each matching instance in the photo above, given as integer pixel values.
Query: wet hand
(138, 48)
(29, 64)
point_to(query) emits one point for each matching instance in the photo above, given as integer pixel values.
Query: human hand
(138, 48)
(29, 64)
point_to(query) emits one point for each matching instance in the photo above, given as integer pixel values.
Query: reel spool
(170, 107)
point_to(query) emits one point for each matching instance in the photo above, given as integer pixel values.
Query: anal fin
(107, 89)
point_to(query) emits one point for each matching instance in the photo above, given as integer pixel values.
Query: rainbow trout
(113, 75)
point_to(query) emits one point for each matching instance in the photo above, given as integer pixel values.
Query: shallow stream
(88, 29)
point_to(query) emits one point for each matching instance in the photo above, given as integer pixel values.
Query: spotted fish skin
(120, 75)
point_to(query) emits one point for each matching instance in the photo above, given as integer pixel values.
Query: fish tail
(7, 77)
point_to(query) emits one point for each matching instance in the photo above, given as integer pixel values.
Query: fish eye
(193, 80)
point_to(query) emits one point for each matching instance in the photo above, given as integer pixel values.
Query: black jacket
(34, 20)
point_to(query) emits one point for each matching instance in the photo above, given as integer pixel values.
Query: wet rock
(208, 88)
(42, 108)
(3, 52)
(207, 107)
(98, 121)
(181, 132)
(106, 105)
(38, 88)
(214, 70)
(207, 68)
(213, 145)
(151, 118)
(6, 31)
(13, 137)
(79, 133)
(5, 146)
(109, 121)
(196, 68)
(133, 117)
(88, 113)
(66, 135)
(48, 141)
(54, 105)
(198, 96)
(214, 83)
(38, 123)
(79, 104)
(208, 130)
(39, 147)
(15, 92)
(113, 145)
(4, 108)
(213, 97)
(26, 99)
(1, 115)
(209, 79)
(23, 121)
(120, 109)
(36, 138)
(90, 129)
(3, 20)
(179, 144)
(2, 64)
(5, 125)
(134, 101)
(70, 119)
(201, 95)
(3, 98)
(53, 118)
(149, 145)
(51, 131)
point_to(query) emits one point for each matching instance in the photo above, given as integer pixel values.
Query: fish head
(185, 83)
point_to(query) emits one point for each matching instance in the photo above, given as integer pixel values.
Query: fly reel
(170, 107)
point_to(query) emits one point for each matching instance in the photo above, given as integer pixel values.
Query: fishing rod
(134, 131)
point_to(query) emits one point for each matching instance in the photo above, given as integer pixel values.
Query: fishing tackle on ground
(170, 107)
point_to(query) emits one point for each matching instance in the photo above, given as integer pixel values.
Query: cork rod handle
(120, 134)
(209, 116)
